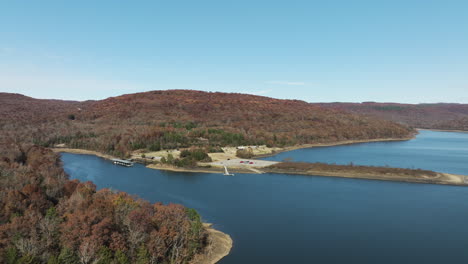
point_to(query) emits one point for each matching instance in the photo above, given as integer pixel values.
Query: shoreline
(220, 245)
(441, 179)
(443, 130)
(83, 152)
(276, 151)
(332, 144)
(214, 170)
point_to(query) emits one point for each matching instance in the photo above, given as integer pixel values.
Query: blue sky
(318, 51)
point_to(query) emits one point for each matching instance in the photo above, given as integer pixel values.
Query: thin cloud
(258, 92)
(262, 92)
(285, 83)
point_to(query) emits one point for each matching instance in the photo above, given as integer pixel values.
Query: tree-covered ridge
(46, 218)
(179, 118)
(429, 116)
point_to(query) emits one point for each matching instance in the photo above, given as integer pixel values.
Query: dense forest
(429, 116)
(181, 118)
(46, 218)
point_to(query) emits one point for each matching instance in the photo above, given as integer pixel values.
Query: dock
(120, 162)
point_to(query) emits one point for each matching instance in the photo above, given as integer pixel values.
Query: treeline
(429, 116)
(188, 158)
(46, 218)
(453, 124)
(350, 168)
(180, 119)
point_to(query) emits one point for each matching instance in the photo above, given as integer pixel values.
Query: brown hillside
(430, 116)
(181, 118)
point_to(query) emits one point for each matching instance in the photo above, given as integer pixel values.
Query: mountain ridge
(445, 116)
(180, 118)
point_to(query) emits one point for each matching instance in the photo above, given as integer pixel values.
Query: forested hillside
(46, 218)
(174, 119)
(430, 116)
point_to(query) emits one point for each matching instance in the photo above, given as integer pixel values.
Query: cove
(280, 218)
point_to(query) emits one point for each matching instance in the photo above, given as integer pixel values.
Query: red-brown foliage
(180, 118)
(430, 116)
(42, 213)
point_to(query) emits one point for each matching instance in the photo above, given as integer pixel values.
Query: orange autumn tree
(75, 223)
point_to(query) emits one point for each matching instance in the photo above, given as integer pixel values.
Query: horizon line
(243, 93)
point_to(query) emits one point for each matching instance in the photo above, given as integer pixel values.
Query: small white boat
(226, 172)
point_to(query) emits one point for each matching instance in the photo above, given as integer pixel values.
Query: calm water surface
(438, 151)
(278, 218)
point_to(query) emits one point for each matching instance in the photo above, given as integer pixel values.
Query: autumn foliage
(46, 218)
(180, 119)
(429, 116)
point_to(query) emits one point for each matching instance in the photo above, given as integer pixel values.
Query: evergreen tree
(67, 256)
(143, 256)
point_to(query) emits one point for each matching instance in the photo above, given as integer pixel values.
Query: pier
(120, 162)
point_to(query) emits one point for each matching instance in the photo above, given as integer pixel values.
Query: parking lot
(239, 163)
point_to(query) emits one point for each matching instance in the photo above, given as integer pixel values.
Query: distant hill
(47, 218)
(182, 118)
(17, 107)
(430, 116)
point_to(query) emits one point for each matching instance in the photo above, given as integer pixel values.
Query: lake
(279, 218)
(438, 151)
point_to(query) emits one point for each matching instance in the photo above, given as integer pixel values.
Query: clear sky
(318, 51)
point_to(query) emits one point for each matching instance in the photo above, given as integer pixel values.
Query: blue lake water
(279, 218)
(438, 151)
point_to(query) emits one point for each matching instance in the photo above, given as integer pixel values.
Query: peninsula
(228, 158)
(178, 130)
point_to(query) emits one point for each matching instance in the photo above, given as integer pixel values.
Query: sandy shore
(441, 178)
(339, 143)
(215, 170)
(83, 152)
(220, 244)
(181, 169)
(443, 130)
(454, 178)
